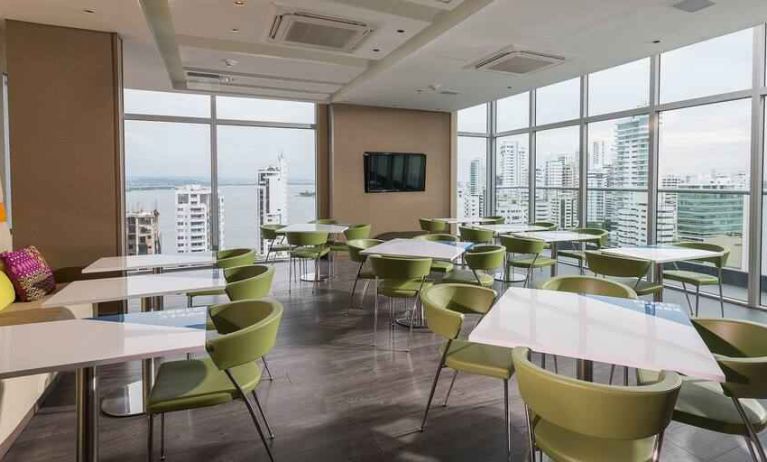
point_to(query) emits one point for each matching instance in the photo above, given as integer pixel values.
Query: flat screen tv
(394, 172)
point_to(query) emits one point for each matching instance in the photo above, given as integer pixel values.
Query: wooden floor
(335, 398)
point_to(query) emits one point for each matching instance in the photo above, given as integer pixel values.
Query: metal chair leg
(263, 415)
(687, 297)
(412, 321)
(506, 417)
(433, 387)
(625, 376)
(452, 382)
(658, 447)
(149, 439)
(530, 438)
(612, 370)
(162, 436)
(721, 296)
(266, 368)
(252, 414)
(697, 300)
(750, 428)
(750, 447)
(354, 287)
(556, 366)
(375, 313)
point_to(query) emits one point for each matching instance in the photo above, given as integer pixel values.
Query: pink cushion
(31, 276)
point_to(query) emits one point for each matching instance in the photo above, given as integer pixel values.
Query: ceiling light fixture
(376, 50)
(400, 31)
(239, 2)
(89, 11)
(235, 30)
(656, 41)
(229, 62)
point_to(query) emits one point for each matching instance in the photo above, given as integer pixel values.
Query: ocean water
(240, 221)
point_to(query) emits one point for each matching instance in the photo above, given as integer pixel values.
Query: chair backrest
(495, 220)
(740, 347)
(357, 232)
(593, 409)
(441, 320)
(398, 268)
(437, 237)
(545, 224)
(718, 261)
(248, 328)
(248, 282)
(305, 238)
(358, 245)
(600, 235)
(437, 226)
(230, 258)
(462, 298)
(477, 235)
(616, 266)
(325, 221)
(485, 257)
(270, 231)
(522, 245)
(425, 224)
(589, 285)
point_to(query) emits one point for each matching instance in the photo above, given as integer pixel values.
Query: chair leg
(412, 321)
(658, 447)
(506, 417)
(189, 301)
(625, 376)
(721, 296)
(162, 436)
(750, 447)
(750, 428)
(266, 368)
(290, 273)
(612, 371)
(149, 438)
(263, 415)
(354, 287)
(556, 366)
(375, 313)
(697, 300)
(530, 438)
(687, 297)
(431, 393)
(252, 414)
(452, 382)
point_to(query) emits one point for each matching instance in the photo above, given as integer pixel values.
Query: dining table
(554, 238)
(152, 262)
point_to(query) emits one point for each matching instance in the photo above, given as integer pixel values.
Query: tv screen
(394, 172)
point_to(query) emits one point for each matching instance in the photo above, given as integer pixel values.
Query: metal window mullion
(653, 145)
(490, 161)
(215, 214)
(531, 165)
(757, 170)
(583, 154)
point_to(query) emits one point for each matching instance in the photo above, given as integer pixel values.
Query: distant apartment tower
(631, 229)
(272, 196)
(512, 172)
(143, 232)
(471, 199)
(193, 225)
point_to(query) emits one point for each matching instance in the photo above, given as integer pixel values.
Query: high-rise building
(597, 155)
(631, 228)
(476, 188)
(631, 152)
(272, 195)
(193, 224)
(143, 232)
(512, 165)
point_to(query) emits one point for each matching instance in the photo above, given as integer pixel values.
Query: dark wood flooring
(335, 398)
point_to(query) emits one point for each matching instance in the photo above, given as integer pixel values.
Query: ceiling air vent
(518, 62)
(194, 75)
(309, 29)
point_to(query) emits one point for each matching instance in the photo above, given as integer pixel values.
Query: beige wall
(356, 129)
(65, 141)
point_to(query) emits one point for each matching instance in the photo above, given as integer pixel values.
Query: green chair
(550, 226)
(360, 231)
(399, 278)
(445, 306)
(600, 240)
(425, 224)
(732, 407)
(306, 246)
(228, 258)
(630, 271)
(476, 235)
(433, 226)
(355, 247)
(698, 279)
(573, 420)
(248, 331)
(532, 259)
(325, 221)
(494, 220)
(276, 240)
(439, 266)
(480, 259)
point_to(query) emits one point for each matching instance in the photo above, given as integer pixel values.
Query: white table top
(140, 262)
(138, 286)
(558, 236)
(313, 227)
(27, 349)
(455, 221)
(661, 254)
(446, 251)
(512, 228)
(634, 333)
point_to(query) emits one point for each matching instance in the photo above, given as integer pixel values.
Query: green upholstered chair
(573, 420)
(399, 278)
(445, 306)
(248, 332)
(600, 240)
(628, 271)
(433, 226)
(531, 258)
(355, 247)
(495, 220)
(481, 259)
(476, 235)
(439, 266)
(228, 258)
(276, 240)
(425, 224)
(306, 246)
(545, 224)
(325, 221)
(696, 278)
(732, 407)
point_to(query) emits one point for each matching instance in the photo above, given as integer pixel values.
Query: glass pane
(556, 159)
(168, 197)
(511, 161)
(623, 213)
(558, 102)
(706, 147)
(618, 153)
(472, 193)
(513, 112)
(166, 103)
(557, 206)
(266, 176)
(513, 205)
(473, 119)
(264, 110)
(720, 65)
(620, 88)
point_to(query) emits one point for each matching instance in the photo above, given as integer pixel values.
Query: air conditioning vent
(518, 62)
(308, 29)
(204, 75)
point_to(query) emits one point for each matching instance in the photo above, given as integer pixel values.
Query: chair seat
(460, 276)
(206, 293)
(565, 446)
(487, 360)
(530, 262)
(703, 404)
(576, 254)
(690, 277)
(643, 288)
(195, 383)
(441, 266)
(310, 252)
(401, 288)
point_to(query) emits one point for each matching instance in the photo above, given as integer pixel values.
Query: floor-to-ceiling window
(471, 183)
(512, 159)
(204, 172)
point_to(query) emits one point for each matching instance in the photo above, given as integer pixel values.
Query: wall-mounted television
(394, 172)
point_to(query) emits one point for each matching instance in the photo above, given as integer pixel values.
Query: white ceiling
(439, 43)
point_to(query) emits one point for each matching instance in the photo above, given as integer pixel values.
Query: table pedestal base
(513, 277)
(128, 401)
(313, 277)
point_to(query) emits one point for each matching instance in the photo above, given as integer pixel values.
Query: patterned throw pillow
(31, 276)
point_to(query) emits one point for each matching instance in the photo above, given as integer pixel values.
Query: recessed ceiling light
(376, 50)
(239, 2)
(89, 11)
(508, 87)
(400, 31)
(234, 29)
(656, 41)
(229, 62)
